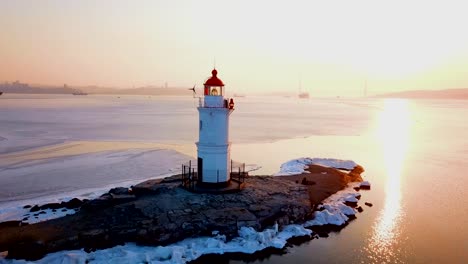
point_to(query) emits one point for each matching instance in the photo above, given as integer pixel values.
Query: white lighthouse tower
(213, 146)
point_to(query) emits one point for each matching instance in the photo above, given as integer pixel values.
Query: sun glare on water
(393, 134)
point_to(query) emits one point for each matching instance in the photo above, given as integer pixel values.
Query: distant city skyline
(259, 46)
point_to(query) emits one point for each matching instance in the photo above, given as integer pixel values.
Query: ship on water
(79, 93)
(302, 94)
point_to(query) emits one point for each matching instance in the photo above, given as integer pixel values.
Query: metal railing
(190, 174)
(238, 172)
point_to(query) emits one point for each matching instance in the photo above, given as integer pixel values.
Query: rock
(119, 190)
(355, 173)
(142, 232)
(351, 204)
(358, 169)
(306, 182)
(73, 203)
(34, 208)
(365, 185)
(27, 206)
(10, 223)
(323, 234)
(252, 223)
(122, 198)
(359, 209)
(97, 204)
(51, 206)
(357, 188)
(259, 210)
(368, 204)
(159, 212)
(28, 250)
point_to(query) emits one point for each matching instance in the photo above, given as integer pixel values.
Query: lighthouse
(213, 146)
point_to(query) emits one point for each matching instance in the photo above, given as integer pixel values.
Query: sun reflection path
(393, 133)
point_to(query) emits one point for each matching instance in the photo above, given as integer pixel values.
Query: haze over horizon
(259, 46)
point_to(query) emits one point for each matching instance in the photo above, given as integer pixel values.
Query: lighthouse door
(200, 169)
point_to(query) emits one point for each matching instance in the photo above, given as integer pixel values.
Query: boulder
(10, 223)
(355, 173)
(35, 208)
(73, 203)
(122, 198)
(365, 185)
(119, 191)
(28, 250)
(51, 206)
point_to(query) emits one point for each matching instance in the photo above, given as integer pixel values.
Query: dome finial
(214, 72)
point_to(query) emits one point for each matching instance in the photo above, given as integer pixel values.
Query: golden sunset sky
(260, 46)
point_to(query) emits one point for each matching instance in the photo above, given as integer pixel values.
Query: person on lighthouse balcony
(213, 146)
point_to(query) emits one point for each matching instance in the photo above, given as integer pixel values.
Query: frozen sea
(415, 154)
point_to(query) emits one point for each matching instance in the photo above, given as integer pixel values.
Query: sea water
(414, 152)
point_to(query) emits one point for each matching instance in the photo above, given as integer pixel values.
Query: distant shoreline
(459, 94)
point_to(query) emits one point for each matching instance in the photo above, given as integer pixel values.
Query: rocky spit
(161, 212)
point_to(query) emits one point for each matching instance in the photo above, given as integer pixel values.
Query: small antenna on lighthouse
(193, 89)
(214, 62)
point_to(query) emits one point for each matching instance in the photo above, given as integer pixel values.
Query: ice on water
(298, 166)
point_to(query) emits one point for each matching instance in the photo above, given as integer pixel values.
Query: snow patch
(297, 166)
(333, 210)
(184, 251)
(49, 214)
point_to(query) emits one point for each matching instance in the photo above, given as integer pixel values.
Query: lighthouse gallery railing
(190, 174)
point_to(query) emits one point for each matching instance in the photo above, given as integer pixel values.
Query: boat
(304, 95)
(79, 93)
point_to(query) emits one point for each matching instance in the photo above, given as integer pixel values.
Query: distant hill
(461, 94)
(17, 87)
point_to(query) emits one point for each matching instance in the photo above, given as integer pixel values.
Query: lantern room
(214, 86)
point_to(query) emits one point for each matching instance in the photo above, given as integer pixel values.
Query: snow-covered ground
(333, 210)
(298, 166)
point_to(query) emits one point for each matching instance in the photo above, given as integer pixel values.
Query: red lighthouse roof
(214, 80)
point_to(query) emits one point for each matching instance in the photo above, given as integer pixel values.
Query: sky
(329, 47)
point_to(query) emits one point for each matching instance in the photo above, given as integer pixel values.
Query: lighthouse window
(201, 125)
(214, 91)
